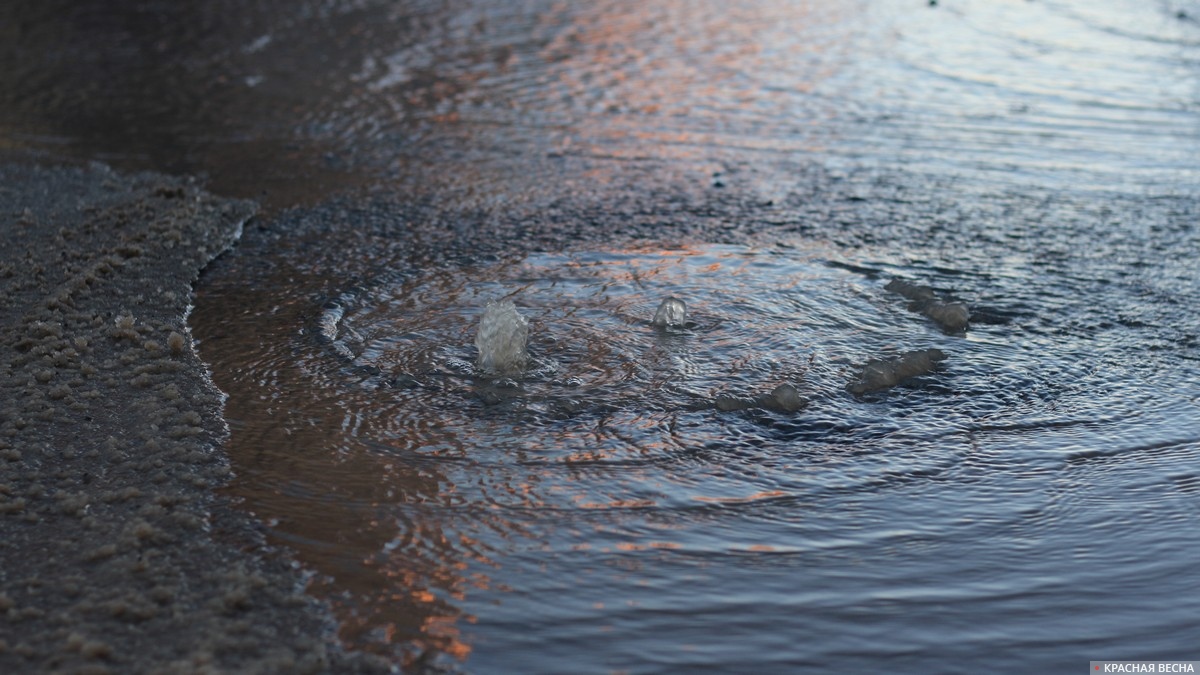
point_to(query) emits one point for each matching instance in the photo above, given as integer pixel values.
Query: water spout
(501, 340)
(671, 313)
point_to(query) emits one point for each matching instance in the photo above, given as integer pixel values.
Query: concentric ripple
(757, 319)
(445, 508)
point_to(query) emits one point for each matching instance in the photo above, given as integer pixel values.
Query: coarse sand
(116, 556)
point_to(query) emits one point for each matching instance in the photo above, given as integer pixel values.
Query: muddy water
(1032, 504)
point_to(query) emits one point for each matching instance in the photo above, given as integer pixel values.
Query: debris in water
(501, 340)
(671, 313)
(951, 316)
(883, 374)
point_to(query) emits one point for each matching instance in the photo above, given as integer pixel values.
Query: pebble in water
(671, 313)
(883, 374)
(501, 340)
(784, 398)
(951, 316)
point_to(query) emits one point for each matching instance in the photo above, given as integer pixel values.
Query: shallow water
(1031, 505)
(975, 513)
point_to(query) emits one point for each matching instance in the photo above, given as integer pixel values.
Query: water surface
(1032, 504)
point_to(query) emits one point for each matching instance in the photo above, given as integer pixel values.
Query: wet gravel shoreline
(116, 556)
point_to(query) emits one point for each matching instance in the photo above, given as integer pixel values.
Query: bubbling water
(784, 336)
(501, 340)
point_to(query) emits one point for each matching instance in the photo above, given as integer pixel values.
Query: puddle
(632, 502)
(605, 491)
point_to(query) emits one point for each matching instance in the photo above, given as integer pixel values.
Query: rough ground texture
(114, 554)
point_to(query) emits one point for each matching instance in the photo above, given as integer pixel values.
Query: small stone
(884, 374)
(176, 343)
(102, 553)
(787, 398)
(731, 403)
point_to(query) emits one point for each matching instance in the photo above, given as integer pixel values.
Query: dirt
(117, 556)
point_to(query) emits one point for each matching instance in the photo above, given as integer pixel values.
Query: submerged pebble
(883, 374)
(952, 317)
(784, 398)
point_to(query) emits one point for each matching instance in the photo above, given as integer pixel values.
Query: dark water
(1032, 505)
